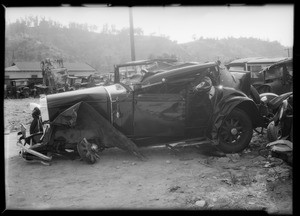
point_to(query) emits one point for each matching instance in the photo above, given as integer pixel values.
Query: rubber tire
(246, 137)
(272, 132)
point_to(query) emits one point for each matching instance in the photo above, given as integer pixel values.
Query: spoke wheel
(235, 132)
(88, 151)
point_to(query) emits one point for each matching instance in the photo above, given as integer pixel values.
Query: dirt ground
(189, 178)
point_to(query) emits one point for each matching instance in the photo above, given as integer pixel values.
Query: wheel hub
(234, 131)
(94, 147)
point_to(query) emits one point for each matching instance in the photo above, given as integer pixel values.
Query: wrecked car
(281, 124)
(277, 78)
(189, 105)
(267, 74)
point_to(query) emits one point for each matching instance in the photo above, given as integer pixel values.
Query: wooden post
(131, 35)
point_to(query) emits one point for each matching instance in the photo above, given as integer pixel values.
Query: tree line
(35, 38)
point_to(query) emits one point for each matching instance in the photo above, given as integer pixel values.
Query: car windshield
(116, 89)
(131, 75)
(236, 68)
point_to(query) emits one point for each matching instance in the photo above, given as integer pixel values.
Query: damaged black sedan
(187, 104)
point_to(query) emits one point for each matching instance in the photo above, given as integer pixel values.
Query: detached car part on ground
(280, 128)
(188, 105)
(280, 109)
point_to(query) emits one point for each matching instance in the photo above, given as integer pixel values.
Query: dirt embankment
(190, 178)
(17, 111)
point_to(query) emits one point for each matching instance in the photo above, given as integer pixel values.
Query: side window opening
(276, 72)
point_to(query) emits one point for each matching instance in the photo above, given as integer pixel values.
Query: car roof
(287, 60)
(266, 60)
(243, 60)
(177, 71)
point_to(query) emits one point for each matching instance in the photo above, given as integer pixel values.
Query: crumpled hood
(97, 97)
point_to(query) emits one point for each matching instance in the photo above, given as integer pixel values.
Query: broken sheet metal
(280, 146)
(159, 115)
(82, 116)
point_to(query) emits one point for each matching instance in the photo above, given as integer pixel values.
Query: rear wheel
(235, 132)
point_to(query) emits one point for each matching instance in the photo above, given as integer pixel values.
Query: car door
(122, 113)
(158, 113)
(198, 114)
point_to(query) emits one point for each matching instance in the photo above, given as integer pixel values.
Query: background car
(277, 78)
(267, 74)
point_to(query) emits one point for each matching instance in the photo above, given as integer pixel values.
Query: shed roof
(78, 66)
(35, 66)
(12, 68)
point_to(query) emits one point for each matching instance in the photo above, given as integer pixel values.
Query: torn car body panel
(159, 115)
(85, 122)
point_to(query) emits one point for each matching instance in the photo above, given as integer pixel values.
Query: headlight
(33, 105)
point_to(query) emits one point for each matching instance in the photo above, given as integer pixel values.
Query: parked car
(277, 78)
(188, 105)
(240, 64)
(281, 124)
(267, 74)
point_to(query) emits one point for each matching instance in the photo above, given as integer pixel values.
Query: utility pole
(288, 50)
(131, 35)
(13, 59)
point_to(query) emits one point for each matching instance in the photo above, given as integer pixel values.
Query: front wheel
(88, 151)
(235, 132)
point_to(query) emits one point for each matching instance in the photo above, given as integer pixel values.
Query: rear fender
(241, 102)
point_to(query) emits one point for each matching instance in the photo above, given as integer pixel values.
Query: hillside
(33, 39)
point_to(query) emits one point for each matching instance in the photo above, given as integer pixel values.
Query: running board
(191, 142)
(185, 143)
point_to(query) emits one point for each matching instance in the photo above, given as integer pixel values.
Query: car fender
(227, 103)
